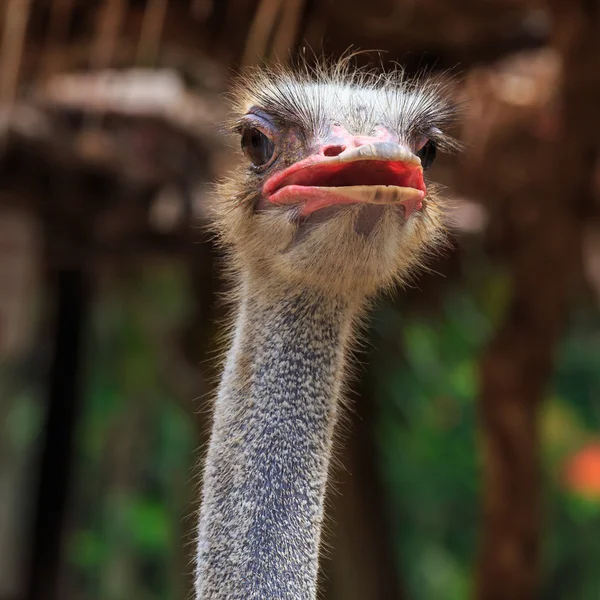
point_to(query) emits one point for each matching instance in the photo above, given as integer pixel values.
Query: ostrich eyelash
(255, 117)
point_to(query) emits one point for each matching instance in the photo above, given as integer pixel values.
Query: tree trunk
(361, 564)
(545, 248)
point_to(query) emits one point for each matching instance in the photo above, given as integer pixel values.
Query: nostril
(333, 150)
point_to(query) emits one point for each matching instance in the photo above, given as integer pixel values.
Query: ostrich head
(333, 194)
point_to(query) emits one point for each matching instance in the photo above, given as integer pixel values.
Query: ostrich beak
(376, 172)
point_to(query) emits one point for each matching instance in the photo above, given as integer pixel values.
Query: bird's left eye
(257, 147)
(427, 154)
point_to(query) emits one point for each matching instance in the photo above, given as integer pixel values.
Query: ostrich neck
(266, 470)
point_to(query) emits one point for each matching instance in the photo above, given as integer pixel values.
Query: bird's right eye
(427, 154)
(257, 147)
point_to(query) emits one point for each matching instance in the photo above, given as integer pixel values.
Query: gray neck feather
(266, 470)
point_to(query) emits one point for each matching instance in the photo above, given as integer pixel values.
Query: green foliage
(23, 421)
(135, 445)
(570, 420)
(424, 373)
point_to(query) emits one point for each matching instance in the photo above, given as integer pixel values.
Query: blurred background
(471, 463)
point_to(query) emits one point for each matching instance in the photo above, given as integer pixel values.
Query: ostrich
(329, 208)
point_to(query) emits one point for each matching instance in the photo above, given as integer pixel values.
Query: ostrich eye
(427, 154)
(257, 147)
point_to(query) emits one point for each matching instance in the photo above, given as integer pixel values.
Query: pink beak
(350, 169)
